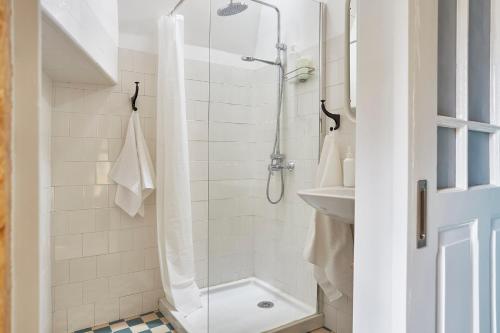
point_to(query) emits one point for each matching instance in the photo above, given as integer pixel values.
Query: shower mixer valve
(278, 163)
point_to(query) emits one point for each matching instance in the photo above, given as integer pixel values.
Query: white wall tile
(95, 243)
(151, 84)
(130, 305)
(81, 221)
(68, 295)
(96, 101)
(144, 238)
(60, 322)
(121, 240)
(83, 125)
(67, 247)
(95, 290)
(108, 265)
(73, 173)
(69, 198)
(145, 62)
(59, 225)
(150, 300)
(82, 269)
(102, 170)
(132, 261)
(107, 218)
(60, 124)
(69, 100)
(109, 127)
(60, 272)
(107, 310)
(151, 258)
(131, 283)
(96, 196)
(80, 316)
(125, 59)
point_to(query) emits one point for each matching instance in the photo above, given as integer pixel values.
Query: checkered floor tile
(152, 322)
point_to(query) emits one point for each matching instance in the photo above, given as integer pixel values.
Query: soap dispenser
(348, 166)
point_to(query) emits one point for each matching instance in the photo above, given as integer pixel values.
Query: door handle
(422, 214)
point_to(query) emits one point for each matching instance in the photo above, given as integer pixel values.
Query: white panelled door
(454, 238)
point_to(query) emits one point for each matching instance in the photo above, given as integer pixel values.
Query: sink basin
(337, 202)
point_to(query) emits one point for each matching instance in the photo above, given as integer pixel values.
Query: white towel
(133, 170)
(329, 244)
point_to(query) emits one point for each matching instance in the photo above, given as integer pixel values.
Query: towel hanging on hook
(134, 98)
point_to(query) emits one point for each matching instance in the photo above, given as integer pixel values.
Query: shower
(277, 162)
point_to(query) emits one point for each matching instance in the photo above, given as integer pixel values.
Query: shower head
(232, 8)
(246, 58)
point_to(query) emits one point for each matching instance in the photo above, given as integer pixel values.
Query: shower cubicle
(253, 90)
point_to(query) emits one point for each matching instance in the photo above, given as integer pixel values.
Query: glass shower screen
(252, 75)
(263, 137)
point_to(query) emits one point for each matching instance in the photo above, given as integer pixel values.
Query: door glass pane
(479, 158)
(447, 57)
(446, 158)
(479, 60)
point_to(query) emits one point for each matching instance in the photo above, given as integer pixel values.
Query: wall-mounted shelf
(297, 73)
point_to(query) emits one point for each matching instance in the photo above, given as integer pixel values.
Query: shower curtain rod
(176, 6)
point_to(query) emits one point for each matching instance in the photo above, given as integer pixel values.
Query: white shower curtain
(173, 194)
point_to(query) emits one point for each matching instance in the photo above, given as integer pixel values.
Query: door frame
(5, 164)
(27, 313)
(383, 141)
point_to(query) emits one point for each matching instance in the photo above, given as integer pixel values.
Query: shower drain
(265, 304)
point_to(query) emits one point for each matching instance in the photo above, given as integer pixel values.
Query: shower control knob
(290, 166)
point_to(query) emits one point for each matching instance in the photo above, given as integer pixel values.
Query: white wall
(382, 168)
(236, 135)
(45, 188)
(105, 264)
(91, 24)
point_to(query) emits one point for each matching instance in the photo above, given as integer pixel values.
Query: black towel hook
(334, 116)
(134, 98)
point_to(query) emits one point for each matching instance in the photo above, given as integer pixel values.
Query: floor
(233, 308)
(152, 322)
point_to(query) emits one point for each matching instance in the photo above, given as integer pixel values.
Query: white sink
(337, 202)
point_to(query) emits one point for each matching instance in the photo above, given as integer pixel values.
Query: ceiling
(236, 34)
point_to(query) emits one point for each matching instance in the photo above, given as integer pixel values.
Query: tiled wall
(105, 264)
(280, 230)
(221, 153)
(232, 142)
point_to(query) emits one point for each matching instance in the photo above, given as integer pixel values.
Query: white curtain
(173, 194)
